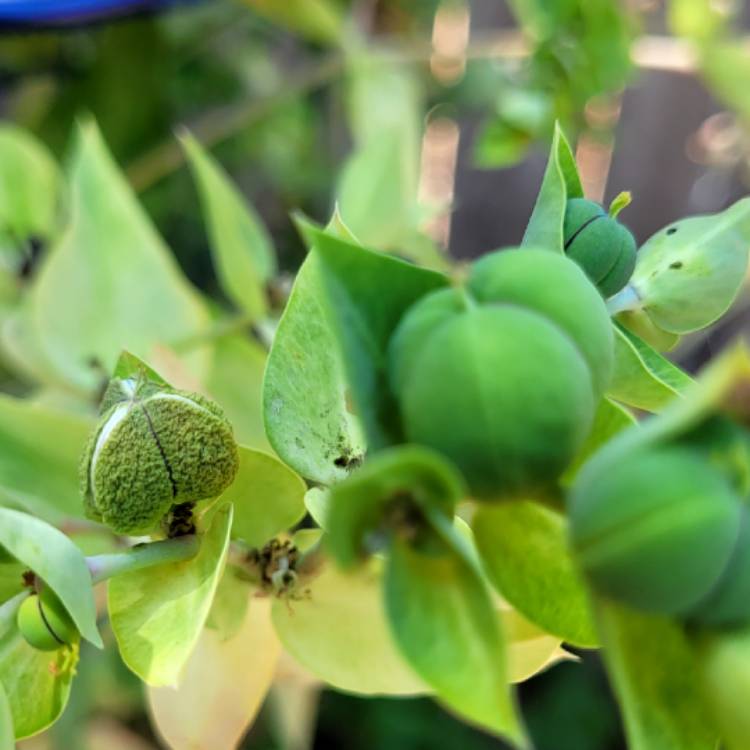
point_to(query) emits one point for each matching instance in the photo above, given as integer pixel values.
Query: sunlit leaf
(57, 561)
(447, 629)
(338, 631)
(157, 614)
(40, 449)
(643, 378)
(230, 604)
(653, 672)
(241, 247)
(268, 498)
(7, 735)
(325, 391)
(561, 182)
(525, 553)
(111, 283)
(223, 686)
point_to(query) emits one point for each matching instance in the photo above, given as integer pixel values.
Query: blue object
(71, 12)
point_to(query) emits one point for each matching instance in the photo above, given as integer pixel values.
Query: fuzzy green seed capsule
(154, 448)
(45, 623)
(603, 247)
(657, 529)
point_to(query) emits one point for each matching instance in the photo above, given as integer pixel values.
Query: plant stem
(626, 299)
(142, 556)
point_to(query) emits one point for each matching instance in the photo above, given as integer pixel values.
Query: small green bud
(45, 623)
(657, 528)
(603, 247)
(155, 447)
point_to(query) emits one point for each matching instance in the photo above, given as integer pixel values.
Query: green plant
(397, 400)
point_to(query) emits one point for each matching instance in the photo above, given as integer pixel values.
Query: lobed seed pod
(502, 377)
(656, 529)
(603, 247)
(154, 448)
(45, 623)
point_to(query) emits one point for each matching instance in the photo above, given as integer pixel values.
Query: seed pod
(45, 623)
(502, 377)
(154, 448)
(657, 529)
(603, 247)
(557, 289)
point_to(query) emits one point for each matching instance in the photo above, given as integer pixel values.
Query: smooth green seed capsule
(154, 448)
(603, 247)
(555, 287)
(657, 529)
(45, 623)
(504, 393)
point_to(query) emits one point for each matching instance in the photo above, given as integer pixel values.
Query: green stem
(142, 556)
(625, 300)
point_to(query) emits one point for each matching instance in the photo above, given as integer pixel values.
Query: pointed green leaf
(157, 614)
(268, 498)
(525, 552)
(111, 283)
(560, 183)
(7, 735)
(447, 629)
(57, 561)
(338, 631)
(642, 377)
(652, 669)
(319, 20)
(40, 449)
(318, 504)
(37, 683)
(325, 386)
(241, 247)
(689, 273)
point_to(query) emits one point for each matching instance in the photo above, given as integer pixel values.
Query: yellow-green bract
(154, 447)
(502, 377)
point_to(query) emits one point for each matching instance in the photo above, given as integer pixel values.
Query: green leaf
(111, 283)
(318, 504)
(338, 631)
(40, 449)
(230, 604)
(268, 498)
(223, 687)
(37, 683)
(325, 390)
(235, 381)
(242, 250)
(360, 506)
(653, 672)
(7, 735)
(319, 20)
(447, 629)
(689, 273)
(560, 183)
(525, 552)
(30, 186)
(157, 614)
(642, 377)
(57, 561)
(724, 662)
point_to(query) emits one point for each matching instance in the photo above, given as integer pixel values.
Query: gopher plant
(463, 469)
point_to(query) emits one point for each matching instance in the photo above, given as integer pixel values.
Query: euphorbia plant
(461, 445)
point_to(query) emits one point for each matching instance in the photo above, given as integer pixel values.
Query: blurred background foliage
(428, 120)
